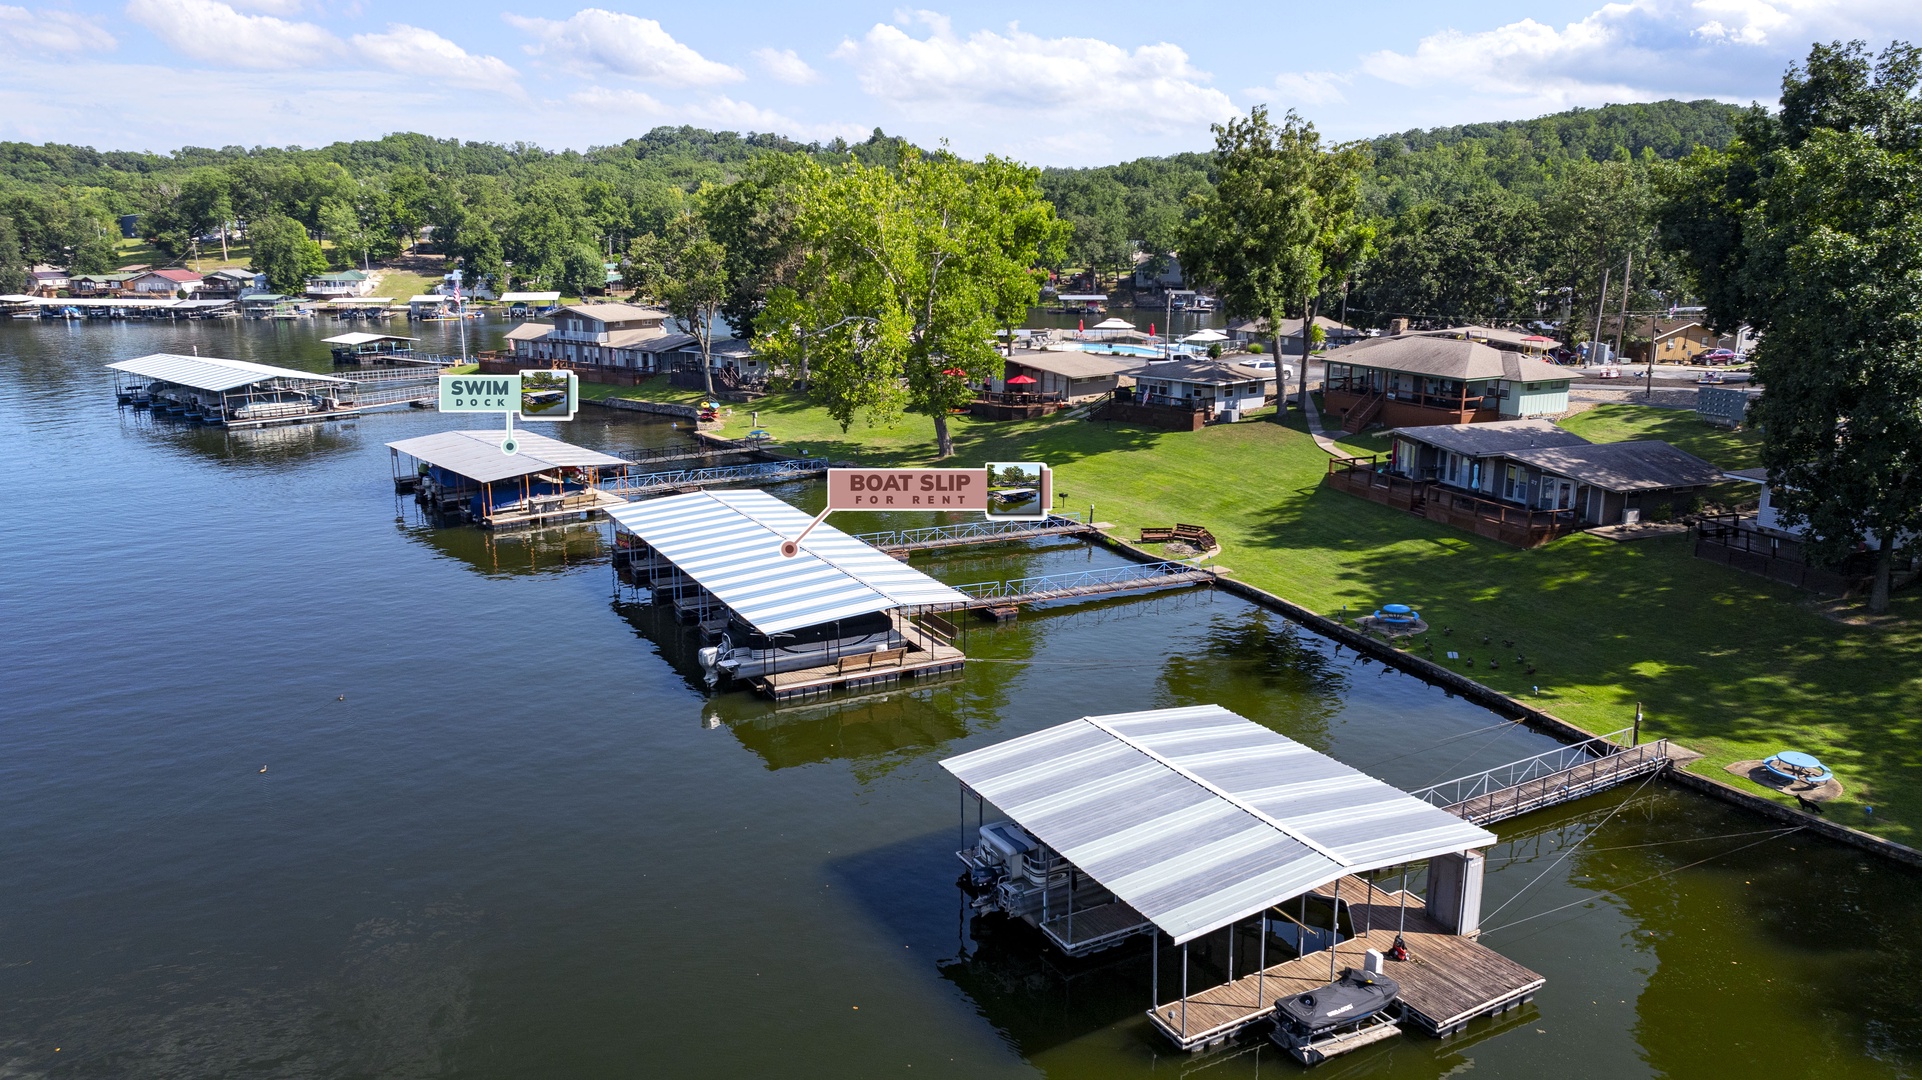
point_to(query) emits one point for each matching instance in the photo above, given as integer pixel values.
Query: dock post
(1261, 972)
(1184, 991)
(1636, 739)
(1334, 926)
(1154, 971)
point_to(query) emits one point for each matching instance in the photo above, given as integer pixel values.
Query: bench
(1153, 535)
(869, 660)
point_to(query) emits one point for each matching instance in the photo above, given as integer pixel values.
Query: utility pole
(1621, 321)
(1601, 305)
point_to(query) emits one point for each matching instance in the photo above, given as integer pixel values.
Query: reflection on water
(447, 866)
(555, 549)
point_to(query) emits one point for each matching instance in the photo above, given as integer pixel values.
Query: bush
(1662, 512)
(1214, 350)
(1254, 348)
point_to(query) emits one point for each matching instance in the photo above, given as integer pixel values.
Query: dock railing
(1559, 775)
(1107, 579)
(967, 531)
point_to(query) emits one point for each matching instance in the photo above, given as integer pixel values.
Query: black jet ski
(1337, 1007)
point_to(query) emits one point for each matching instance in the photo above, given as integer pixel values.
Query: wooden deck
(1447, 980)
(1089, 930)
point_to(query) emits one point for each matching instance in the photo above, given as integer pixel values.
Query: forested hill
(530, 206)
(1117, 207)
(687, 150)
(1668, 129)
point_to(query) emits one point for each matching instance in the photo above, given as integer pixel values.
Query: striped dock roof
(729, 542)
(1196, 817)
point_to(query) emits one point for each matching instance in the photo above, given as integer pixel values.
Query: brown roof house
(1527, 481)
(1419, 379)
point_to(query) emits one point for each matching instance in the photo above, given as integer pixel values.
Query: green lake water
(294, 785)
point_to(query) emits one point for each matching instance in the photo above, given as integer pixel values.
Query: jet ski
(1340, 1006)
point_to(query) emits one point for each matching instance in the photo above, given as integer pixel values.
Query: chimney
(1397, 326)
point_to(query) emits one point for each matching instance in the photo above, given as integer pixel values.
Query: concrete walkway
(1321, 437)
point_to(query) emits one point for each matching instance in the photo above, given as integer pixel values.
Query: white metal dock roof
(1196, 817)
(730, 543)
(477, 454)
(362, 337)
(211, 372)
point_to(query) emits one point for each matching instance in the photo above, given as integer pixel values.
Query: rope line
(1779, 833)
(1570, 849)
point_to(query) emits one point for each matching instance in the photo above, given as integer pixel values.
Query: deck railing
(758, 472)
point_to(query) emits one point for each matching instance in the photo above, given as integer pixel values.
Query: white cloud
(624, 45)
(412, 50)
(46, 30)
(624, 101)
(271, 7)
(786, 65)
(719, 112)
(212, 31)
(1027, 78)
(1291, 88)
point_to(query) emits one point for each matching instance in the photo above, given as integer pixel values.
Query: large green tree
(13, 265)
(285, 253)
(754, 220)
(1281, 222)
(1473, 260)
(907, 273)
(1808, 227)
(685, 271)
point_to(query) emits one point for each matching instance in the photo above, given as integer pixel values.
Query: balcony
(1520, 526)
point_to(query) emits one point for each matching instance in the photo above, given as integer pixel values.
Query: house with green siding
(1422, 379)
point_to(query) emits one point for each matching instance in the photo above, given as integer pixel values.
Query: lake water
(292, 785)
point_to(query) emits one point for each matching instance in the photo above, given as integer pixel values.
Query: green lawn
(401, 284)
(136, 252)
(1728, 664)
(1623, 423)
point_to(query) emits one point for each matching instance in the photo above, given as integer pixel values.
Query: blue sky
(1060, 83)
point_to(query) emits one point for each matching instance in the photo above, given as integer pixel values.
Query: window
(1515, 483)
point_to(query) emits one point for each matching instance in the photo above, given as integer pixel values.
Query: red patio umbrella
(1021, 380)
(955, 371)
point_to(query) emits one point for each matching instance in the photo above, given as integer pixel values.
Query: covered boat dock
(363, 347)
(236, 393)
(838, 614)
(464, 475)
(1205, 831)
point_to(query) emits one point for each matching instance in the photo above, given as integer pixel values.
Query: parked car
(1718, 356)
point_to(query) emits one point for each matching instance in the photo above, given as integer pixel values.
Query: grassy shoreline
(1729, 664)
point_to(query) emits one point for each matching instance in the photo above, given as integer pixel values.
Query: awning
(1197, 818)
(477, 454)
(730, 543)
(212, 373)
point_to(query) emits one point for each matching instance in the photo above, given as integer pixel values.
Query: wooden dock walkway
(969, 533)
(999, 596)
(1558, 776)
(1447, 980)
